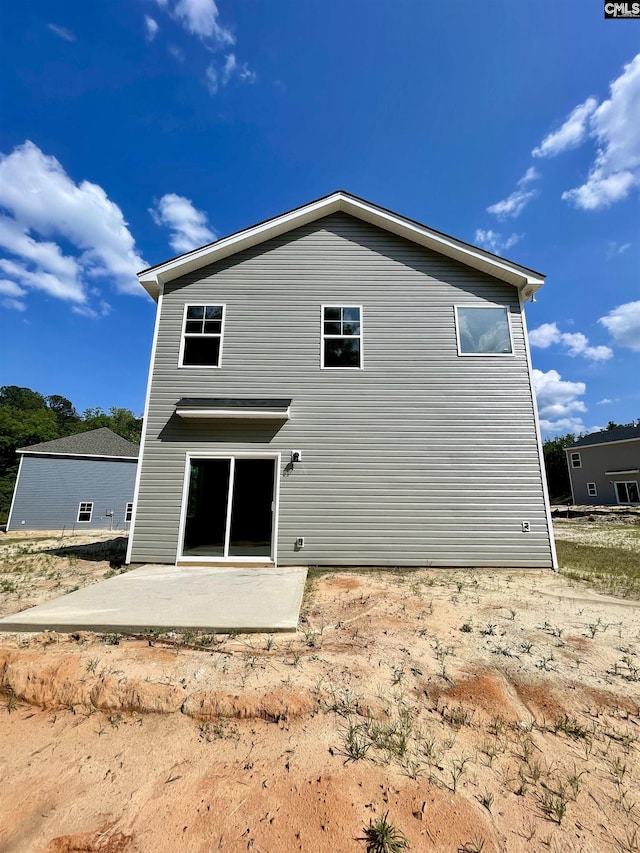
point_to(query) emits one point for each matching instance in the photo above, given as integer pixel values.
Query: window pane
(342, 352)
(351, 315)
(193, 326)
(213, 327)
(201, 351)
(632, 489)
(331, 313)
(483, 330)
(351, 328)
(332, 328)
(621, 489)
(213, 312)
(195, 312)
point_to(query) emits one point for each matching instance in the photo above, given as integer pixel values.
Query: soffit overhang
(527, 281)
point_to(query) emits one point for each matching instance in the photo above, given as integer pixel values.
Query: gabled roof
(607, 436)
(101, 442)
(527, 280)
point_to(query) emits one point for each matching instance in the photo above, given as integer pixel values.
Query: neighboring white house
(84, 481)
(341, 385)
(604, 467)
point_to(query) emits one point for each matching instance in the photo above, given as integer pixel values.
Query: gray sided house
(341, 385)
(604, 467)
(80, 482)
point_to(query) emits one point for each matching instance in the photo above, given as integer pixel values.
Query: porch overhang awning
(626, 473)
(232, 407)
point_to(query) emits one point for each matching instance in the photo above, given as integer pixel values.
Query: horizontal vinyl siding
(50, 489)
(422, 457)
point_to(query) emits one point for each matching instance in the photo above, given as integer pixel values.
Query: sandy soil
(482, 711)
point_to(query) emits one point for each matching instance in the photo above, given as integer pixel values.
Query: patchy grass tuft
(612, 570)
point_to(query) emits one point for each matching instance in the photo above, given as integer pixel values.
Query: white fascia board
(240, 414)
(78, 455)
(526, 281)
(627, 473)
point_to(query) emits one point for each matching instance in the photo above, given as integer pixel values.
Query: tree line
(27, 417)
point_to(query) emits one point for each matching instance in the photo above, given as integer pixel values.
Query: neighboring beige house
(604, 467)
(341, 385)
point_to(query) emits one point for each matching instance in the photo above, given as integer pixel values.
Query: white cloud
(189, 228)
(151, 26)
(572, 133)
(231, 68)
(211, 76)
(558, 402)
(494, 242)
(10, 288)
(514, 204)
(62, 32)
(605, 401)
(14, 304)
(575, 342)
(176, 52)
(623, 324)
(544, 335)
(615, 248)
(616, 128)
(41, 204)
(200, 17)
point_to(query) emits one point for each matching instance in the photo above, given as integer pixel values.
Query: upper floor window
(576, 461)
(341, 336)
(483, 331)
(201, 344)
(128, 512)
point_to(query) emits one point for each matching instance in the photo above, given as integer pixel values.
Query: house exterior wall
(421, 458)
(596, 459)
(49, 490)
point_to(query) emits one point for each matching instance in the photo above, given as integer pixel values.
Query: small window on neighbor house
(591, 490)
(483, 331)
(85, 511)
(128, 513)
(341, 336)
(627, 492)
(202, 336)
(576, 461)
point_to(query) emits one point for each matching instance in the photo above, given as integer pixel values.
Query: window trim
(626, 483)
(575, 457)
(461, 354)
(322, 336)
(183, 335)
(592, 490)
(80, 510)
(128, 511)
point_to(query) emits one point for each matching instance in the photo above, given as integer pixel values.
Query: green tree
(555, 462)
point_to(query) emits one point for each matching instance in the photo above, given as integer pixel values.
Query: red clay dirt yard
(476, 710)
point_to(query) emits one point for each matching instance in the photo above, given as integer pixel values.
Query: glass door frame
(181, 557)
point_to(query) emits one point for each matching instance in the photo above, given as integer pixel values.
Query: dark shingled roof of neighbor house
(622, 433)
(95, 442)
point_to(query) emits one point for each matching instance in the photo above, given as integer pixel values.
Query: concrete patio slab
(205, 598)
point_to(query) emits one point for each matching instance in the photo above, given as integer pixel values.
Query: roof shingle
(95, 442)
(605, 436)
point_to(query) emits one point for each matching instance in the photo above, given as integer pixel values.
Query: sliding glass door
(230, 508)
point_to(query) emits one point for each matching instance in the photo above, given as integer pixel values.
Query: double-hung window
(576, 460)
(202, 328)
(483, 330)
(128, 512)
(85, 511)
(592, 491)
(341, 336)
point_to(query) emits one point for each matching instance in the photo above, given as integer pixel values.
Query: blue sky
(134, 130)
